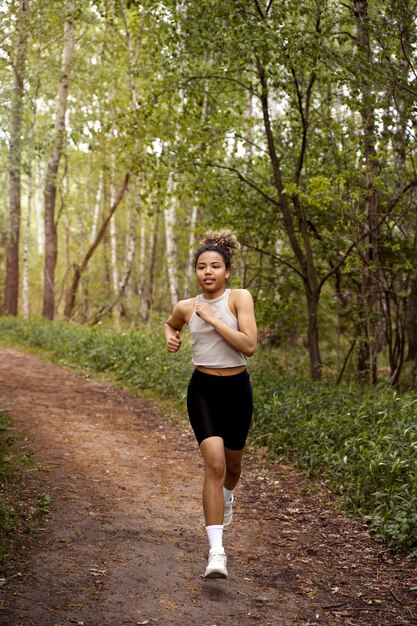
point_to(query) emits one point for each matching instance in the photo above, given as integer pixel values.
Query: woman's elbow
(250, 350)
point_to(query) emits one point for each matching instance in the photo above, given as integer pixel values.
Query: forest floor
(124, 539)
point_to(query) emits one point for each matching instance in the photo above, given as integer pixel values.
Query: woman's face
(211, 271)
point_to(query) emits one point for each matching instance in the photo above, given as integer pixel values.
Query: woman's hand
(204, 311)
(174, 342)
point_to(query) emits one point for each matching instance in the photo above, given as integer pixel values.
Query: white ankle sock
(228, 494)
(215, 535)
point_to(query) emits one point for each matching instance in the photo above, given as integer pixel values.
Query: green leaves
(363, 444)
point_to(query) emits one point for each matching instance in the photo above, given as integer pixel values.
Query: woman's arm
(243, 340)
(174, 324)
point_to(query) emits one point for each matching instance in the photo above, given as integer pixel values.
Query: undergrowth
(19, 514)
(362, 443)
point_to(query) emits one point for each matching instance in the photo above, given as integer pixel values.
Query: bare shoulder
(182, 311)
(241, 297)
(187, 307)
(241, 302)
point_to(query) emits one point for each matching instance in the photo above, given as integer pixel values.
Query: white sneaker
(217, 563)
(228, 513)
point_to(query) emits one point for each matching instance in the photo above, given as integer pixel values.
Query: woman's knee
(234, 468)
(216, 468)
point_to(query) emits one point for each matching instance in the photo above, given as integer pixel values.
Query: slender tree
(11, 292)
(51, 184)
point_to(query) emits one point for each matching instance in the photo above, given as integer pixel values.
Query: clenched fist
(174, 342)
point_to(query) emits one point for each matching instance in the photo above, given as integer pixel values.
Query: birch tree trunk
(170, 241)
(31, 197)
(191, 244)
(134, 49)
(38, 201)
(96, 212)
(11, 292)
(143, 308)
(51, 242)
(152, 260)
(113, 239)
(170, 216)
(193, 219)
(26, 247)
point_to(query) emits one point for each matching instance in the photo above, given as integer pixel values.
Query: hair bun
(224, 238)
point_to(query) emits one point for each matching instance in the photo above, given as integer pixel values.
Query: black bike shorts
(220, 406)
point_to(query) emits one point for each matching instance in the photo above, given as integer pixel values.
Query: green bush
(363, 443)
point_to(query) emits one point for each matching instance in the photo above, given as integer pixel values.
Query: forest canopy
(128, 128)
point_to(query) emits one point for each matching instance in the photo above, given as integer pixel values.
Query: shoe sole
(215, 574)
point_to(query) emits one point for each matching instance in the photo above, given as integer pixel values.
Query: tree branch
(226, 78)
(258, 8)
(278, 258)
(245, 180)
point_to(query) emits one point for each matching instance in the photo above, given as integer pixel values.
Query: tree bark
(51, 242)
(153, 237)
(113, 235)
(170, 241)
(367, 362)
(11, 292)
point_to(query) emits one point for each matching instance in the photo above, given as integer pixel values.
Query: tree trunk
(191, 244)
(141, 286)
(79, 269)
(51, 243)
(411, 323)
(11, 292)
(170, 241)
(404, 104)
(38, 198)
(302, 249)
(370, 295)
(96, 212)
(152, 261)
(25, 281)
(113, 235)
(193, 217)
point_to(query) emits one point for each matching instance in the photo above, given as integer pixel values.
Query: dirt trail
(124, 542)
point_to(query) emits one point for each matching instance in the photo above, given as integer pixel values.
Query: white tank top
(209, 348)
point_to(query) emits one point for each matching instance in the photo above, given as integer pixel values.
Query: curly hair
(222, 241)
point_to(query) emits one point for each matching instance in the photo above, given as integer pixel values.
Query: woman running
(223, 332)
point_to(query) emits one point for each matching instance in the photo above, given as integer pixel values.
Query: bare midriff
(221, 371)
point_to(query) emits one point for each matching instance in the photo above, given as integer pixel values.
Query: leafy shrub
(363, 444)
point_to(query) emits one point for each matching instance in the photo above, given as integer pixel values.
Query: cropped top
(209, 348)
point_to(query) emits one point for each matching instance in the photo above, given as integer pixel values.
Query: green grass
(363, 443)
(19, 515)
